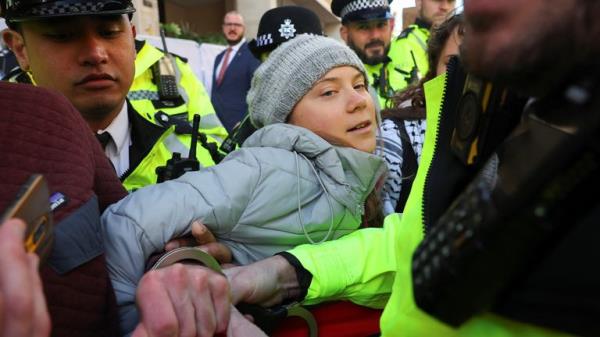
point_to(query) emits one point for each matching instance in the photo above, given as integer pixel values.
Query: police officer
(276, 26)
(517, 259)
(367, 27)
(87, 52)
(281, 24)
(189, 99)
(409, 49)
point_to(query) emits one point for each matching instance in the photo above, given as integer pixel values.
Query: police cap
(361, 10)
(280, 24)
(26, 10)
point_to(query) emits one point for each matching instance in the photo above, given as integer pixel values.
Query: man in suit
(233, 72)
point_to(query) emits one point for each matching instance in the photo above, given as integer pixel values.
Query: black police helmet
(361, 10)
(25, 10)
(281, 24)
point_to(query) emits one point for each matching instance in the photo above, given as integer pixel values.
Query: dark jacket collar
(144, 135)
(422, 24)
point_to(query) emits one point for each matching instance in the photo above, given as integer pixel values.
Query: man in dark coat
(232, 73)
(41, 132)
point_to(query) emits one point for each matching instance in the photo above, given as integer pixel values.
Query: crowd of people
(439, 179)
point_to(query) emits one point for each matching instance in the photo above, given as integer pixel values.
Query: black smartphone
(164, 75)
(32, 205)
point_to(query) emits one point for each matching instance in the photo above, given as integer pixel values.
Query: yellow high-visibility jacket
(153, 143)
(144, 96)
(372, 266)
(386, 79)
(409, 50)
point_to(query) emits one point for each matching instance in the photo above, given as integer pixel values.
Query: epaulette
(405, 32)
(139, 44)
(17, 76)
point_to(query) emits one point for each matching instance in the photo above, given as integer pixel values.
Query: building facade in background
(205, 16)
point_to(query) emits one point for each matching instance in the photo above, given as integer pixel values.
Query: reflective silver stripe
(421, 42)
(142, 95)
(211, 121)
(175, 145)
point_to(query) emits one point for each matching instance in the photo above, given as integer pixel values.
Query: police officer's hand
(204, 239)
(182, 300)
(267, 282)
(241, 326)
(23, 310)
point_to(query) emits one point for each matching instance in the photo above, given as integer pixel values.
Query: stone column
(252, 11)
(146, 16)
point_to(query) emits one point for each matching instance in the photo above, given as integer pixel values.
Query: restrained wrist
(297, 281)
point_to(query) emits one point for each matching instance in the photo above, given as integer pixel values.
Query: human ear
(15, 42)
(344, 33)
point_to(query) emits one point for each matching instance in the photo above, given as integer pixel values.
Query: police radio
(164, 72)
(177, 166)
(415, 74)
(238, 135)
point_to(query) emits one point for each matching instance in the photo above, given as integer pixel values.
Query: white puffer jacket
(286, 186)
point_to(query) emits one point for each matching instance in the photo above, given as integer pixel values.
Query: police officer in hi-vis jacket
(138, 100)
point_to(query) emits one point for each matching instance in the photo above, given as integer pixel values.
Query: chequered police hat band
(359, 5)
(264, 40)
(60, 8)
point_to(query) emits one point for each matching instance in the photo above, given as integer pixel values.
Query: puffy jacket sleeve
(144, 221)
(359, 266)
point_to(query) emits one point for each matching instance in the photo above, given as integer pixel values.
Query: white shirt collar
(117, 149)
(119, 129)
(236, 47)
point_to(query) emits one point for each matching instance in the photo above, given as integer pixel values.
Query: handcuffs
(263, 317)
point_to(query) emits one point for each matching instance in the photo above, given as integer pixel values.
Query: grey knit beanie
(290, 72)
